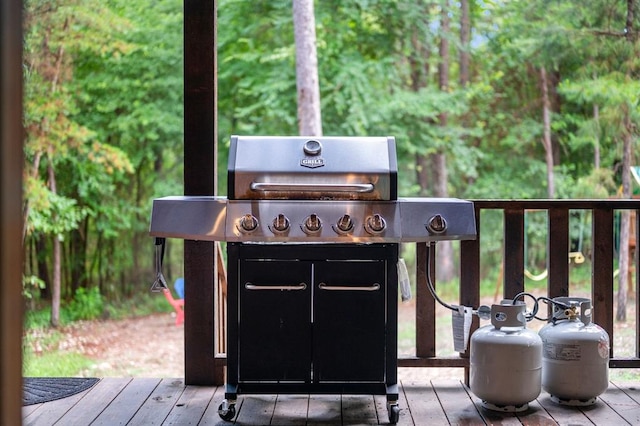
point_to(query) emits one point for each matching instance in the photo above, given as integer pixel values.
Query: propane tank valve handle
(532, 314)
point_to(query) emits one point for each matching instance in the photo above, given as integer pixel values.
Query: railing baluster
(425, 304)
(470, 280)
(602, 270)
(513, 251)
(636, 262)
(558, 252)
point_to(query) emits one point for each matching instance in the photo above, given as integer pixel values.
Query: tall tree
(631, 37)
(546, 132)
(441, 180)
(304, 24)
(438, 159)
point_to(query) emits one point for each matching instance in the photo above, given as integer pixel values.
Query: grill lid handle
(330, 187)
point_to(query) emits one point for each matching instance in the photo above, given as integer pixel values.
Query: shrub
(87, 304)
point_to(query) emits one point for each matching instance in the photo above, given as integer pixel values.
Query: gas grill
(313, 227)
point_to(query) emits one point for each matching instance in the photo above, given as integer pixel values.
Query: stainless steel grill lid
(308, 168)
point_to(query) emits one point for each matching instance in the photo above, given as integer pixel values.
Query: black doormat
(44, 389)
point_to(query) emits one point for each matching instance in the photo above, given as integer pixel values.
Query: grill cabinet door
(275, 321)
(349, 321)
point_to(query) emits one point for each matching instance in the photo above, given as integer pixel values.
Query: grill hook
(160, 283)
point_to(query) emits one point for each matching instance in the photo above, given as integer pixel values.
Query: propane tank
(575, 362)
(506, 360)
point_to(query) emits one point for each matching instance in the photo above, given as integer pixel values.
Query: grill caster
(227, 410)
(394, 412)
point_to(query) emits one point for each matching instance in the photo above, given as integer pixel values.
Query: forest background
(486, 99)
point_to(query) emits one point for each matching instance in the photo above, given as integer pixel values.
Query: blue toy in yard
(178, 286)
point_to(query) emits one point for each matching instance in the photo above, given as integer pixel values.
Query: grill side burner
(313, 227)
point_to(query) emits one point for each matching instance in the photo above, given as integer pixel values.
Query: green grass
(55, 364)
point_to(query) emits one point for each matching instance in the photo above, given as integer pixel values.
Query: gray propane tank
(506, 360)
(575, 362)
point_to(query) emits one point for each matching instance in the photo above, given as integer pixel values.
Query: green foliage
(86, 304)
(104, 110)
(31, 285)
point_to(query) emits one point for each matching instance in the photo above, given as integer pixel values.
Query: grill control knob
(437, 224)
(248, 223)
(312, 224)
(375, 224)
(280, 223)
(344, 224)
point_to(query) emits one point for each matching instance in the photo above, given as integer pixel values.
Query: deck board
(455, 403)
(619, 400)
(155, 409)
(126, 401)
(422, 405)
(324, 409)
(124, 406)
(100, 396)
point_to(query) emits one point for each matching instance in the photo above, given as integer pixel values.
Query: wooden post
(11, 254)
(199, 179)
(470, 281)
(602, 270)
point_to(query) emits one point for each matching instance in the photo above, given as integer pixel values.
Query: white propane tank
(575, 362)
(506, 360)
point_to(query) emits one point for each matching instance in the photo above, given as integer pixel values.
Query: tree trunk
(465, 31)
(42, 266)
(596, 141)
(444, 254)
(422, 174)
(629, 30)
(57, 264)
(623, 261)
(78, 256)
(419, 65)
(309, 118)
(438, 159)
(546, 138)
(25, 210)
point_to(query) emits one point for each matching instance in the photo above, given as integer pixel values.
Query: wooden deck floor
(151, 401)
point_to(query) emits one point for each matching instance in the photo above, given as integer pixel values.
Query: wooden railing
(513, 274)
(514, 241)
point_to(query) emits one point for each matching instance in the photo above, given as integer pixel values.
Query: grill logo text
(312, 163)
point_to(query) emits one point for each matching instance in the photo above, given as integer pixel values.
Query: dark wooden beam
(602, 270)
(11, 254)
(199, 179)
(425, 303)
(470, 283)
(513, 252)
(557, 253)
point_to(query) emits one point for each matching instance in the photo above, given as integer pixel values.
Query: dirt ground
(152, 346)
(149, 346)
